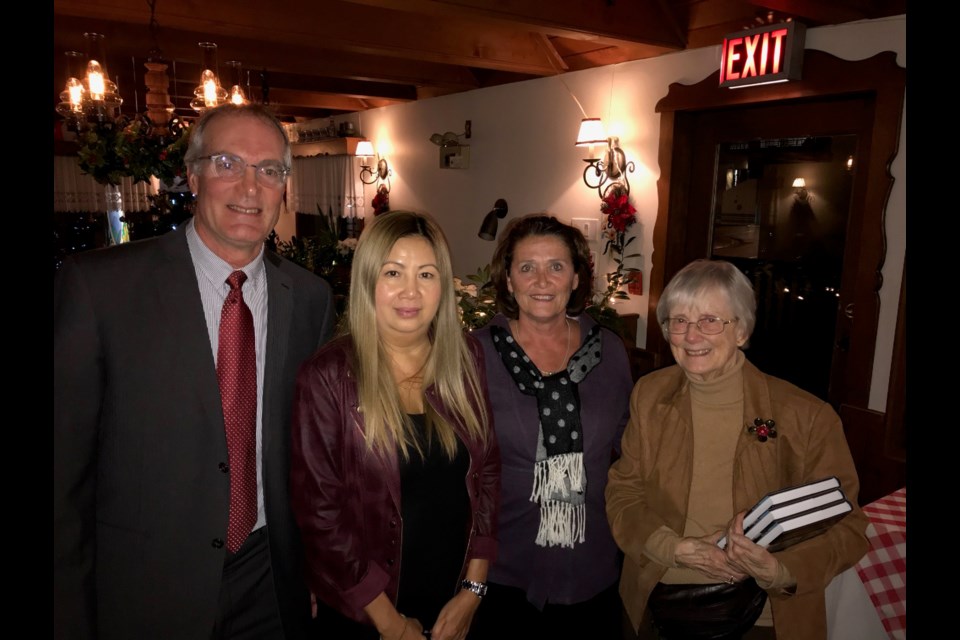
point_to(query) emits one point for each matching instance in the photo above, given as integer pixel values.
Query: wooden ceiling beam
(339, 26)
(646, 22)
(124, 41)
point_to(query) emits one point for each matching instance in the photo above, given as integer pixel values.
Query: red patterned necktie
(237, 373)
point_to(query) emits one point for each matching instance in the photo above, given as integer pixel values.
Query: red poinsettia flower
(620, 213)
(381, 201)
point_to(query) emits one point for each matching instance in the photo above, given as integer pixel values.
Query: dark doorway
(794, 246)
(780, 214)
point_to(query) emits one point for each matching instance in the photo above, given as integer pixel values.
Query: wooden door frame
(825, 76)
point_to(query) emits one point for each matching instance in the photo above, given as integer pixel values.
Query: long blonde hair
(449, 366)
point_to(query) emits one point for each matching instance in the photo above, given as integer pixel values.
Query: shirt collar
(216, 269)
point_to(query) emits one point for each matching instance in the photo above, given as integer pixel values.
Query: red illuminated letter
(732, 57)
(750, 62)
(777, 36)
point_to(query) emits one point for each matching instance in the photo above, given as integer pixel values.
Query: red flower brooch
(763, 428)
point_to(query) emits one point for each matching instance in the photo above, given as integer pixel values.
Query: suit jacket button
(216, 543)
(390, 562)
(224, 467)
(393, 523)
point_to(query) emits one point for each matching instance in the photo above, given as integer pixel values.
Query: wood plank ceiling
(317, 58)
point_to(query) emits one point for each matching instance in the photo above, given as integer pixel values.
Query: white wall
(522, 150)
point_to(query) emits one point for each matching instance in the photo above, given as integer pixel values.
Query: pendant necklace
(566, 355)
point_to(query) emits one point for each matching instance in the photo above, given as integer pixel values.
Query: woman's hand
(454, 620)
(703, 555)
(392, 624)
(410, 629)
(750, 558)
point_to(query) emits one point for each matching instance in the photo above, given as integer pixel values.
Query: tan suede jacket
(649, 486)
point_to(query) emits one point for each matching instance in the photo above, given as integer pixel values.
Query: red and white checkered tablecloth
(883, 569)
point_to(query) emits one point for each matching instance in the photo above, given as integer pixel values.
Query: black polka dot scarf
(559, 479)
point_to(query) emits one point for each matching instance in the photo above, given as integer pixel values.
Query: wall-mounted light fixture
(367, 173)
(801, 189)
(451, 138)
(488, 230)
(611, 168)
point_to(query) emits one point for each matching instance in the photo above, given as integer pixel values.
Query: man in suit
(142, 465)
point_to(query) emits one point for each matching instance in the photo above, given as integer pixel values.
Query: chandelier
(89, 97)
(208, 93)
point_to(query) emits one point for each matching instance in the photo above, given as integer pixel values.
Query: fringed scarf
(559, 479)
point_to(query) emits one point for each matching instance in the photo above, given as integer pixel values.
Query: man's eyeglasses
(708, 325)
(270, 173)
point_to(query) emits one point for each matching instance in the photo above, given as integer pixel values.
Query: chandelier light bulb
(209, 82)
(95, 83)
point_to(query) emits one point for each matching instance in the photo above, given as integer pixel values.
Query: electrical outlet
(589, 227)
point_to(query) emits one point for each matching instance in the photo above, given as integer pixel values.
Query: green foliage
(133, 148)
(476, 300)
(325, 254)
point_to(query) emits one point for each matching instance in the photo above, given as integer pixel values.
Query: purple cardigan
(347, 500)
(554, 574)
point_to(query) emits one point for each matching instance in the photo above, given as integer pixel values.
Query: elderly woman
(691, 466)
(559, 385)
(395, 473)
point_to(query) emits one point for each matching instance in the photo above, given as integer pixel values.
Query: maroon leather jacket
(346, 498)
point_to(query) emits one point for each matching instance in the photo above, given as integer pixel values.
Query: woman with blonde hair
(395, 470)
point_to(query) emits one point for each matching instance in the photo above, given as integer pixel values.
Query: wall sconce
(367, 173)
(801, 189)
(609, 170)
(451, 139)
(488, 230)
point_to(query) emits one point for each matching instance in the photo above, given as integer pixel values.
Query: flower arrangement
(621, 215)
(476, 300)
(381, 201)
(134, 148)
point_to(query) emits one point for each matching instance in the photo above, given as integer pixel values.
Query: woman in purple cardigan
(559, 385)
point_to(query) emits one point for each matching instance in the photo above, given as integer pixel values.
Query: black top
(436, 513)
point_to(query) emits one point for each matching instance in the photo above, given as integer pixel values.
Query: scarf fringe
(554, 479)
(561, 524)
(553, 476)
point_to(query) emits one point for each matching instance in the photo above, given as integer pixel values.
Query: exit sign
(768, 54)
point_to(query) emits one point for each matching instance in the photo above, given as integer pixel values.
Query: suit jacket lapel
(279, 313)
(179, 296)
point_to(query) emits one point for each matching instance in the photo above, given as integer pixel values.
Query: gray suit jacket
(139, 500)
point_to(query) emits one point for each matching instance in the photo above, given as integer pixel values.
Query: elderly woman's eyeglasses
(708, 325)
(271, 173)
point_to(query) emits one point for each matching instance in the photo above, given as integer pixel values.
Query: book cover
(784, 533)
(794, 508)
(784, 496)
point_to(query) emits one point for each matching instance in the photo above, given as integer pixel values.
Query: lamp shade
(591, 132)
(799, 183)
(488, 229)
(365, 149)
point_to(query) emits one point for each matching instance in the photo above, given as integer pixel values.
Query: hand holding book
(793, 514)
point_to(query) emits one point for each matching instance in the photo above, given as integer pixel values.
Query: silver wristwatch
(478, 588)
